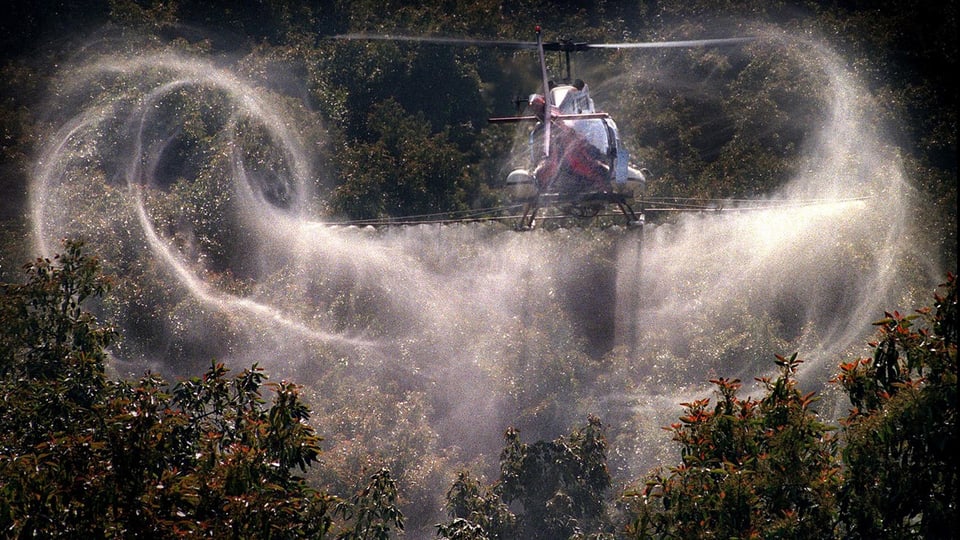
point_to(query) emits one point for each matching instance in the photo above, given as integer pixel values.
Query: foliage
(48, 338)
(900, 456)
(477, 512)
(750, 469)
(379, 430)
(559, 486)
(373, 511)
(407, 171)
(81, 455)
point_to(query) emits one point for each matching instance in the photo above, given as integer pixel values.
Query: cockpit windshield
(572, 99)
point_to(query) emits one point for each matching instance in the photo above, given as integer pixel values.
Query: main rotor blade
(441, 40)
(563, 46)
(669, 44)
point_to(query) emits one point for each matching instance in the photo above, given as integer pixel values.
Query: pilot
(574, 165)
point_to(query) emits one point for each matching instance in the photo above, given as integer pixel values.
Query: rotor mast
(547, 101)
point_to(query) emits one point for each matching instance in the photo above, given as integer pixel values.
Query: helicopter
(577, 163)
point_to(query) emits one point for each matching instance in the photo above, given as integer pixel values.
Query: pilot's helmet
(537, 104)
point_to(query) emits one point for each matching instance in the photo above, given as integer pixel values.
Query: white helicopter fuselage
(575, 109)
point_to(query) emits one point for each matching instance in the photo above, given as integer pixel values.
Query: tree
(750, 468)
(48, 339)
(81, 455)
(477, 512)
(901, 435)
(559, 485)
(372, 513)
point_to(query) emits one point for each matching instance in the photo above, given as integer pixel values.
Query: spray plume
(473, 316)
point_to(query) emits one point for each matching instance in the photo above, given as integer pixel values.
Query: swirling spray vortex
(142, 127)
(132, 114)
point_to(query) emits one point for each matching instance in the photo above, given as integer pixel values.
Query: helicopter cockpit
(572, 98)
